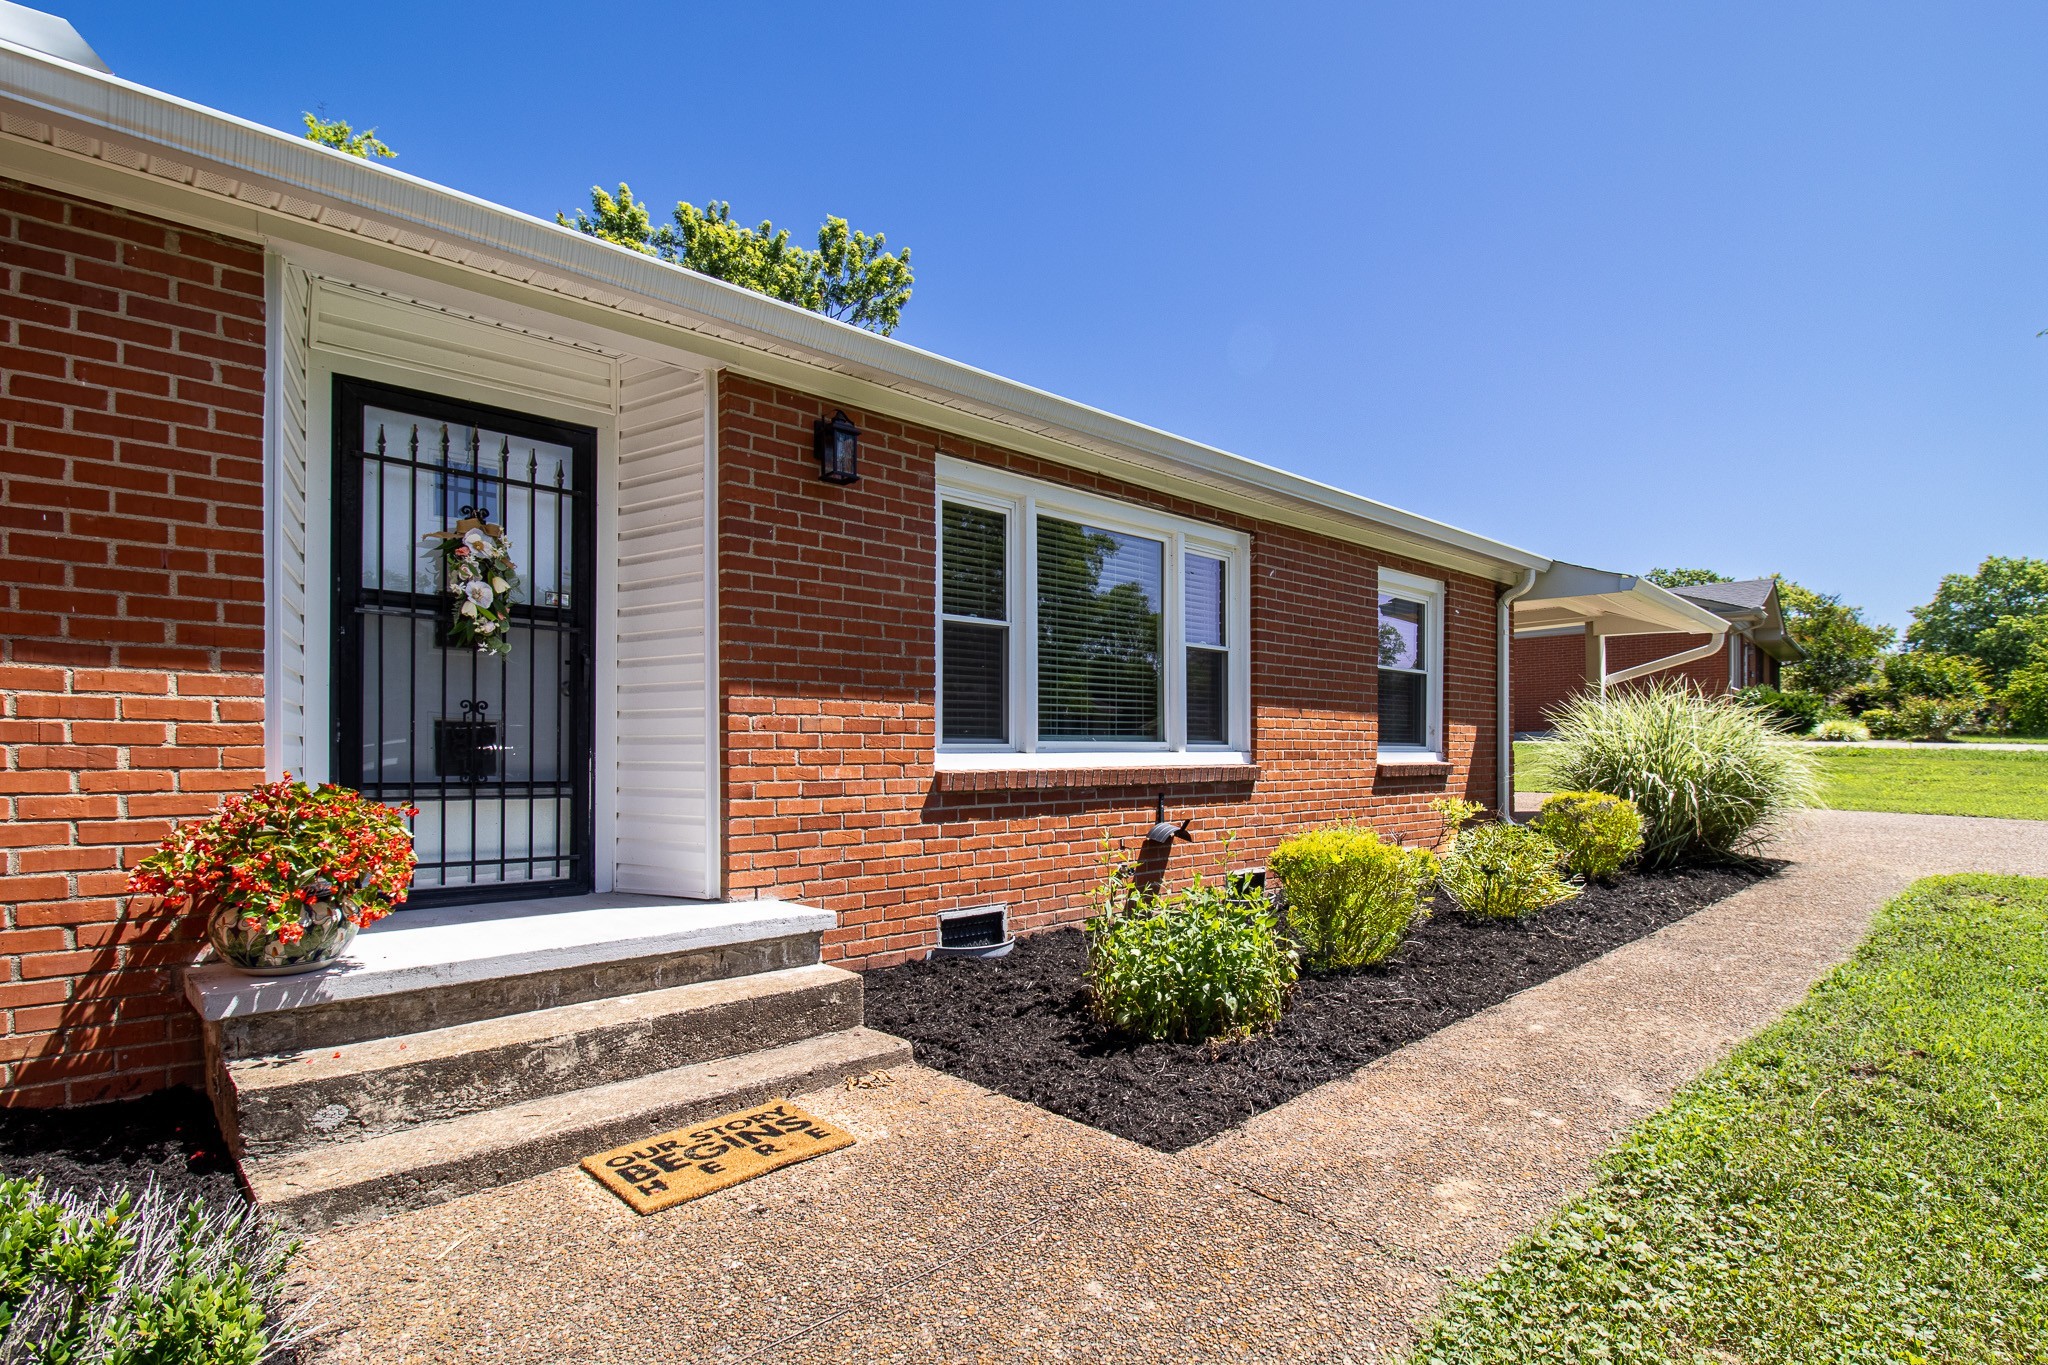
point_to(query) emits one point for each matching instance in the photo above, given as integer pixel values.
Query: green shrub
(1350, 896)
(1794, 713)
(1504, 872)
(2023, 705)
(138, 1280)
(1919, 718)
(1208, 962)
(1597, 833)
(1839, 730)
(1709, 779)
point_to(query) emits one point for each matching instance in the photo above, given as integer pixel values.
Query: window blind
(974, 645)
(1208, 650)
(1099, 648)
(1403, 672)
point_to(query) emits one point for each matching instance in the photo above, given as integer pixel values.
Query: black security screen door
(495, 751)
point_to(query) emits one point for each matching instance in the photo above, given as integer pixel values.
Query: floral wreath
(476, 563)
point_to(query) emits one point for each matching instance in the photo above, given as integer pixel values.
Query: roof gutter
(328, 186)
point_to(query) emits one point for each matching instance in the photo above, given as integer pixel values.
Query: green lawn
(1936, 781)
(1958, 781)
(1865, 1181)
(2003, 739)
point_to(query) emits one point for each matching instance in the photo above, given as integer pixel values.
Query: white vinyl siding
(662, 825)
(285, 521)
(1121, 642)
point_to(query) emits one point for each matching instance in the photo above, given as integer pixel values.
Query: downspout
(1712, 646)
(1504, 747)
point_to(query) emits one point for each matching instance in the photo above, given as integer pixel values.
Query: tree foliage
(849, 276)
(1842, 649)
(1685, 578)
(337, 134)
(1997, 616)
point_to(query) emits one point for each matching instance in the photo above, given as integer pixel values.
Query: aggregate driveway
(966, 1226)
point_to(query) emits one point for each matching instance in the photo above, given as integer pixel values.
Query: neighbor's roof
(188, 162)
(1751, 603)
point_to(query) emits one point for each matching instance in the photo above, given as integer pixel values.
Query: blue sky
(1752, 287)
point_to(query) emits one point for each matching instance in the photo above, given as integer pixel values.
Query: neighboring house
(1551, 666)
(751, 718)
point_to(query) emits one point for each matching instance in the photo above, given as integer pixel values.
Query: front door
(492, 744)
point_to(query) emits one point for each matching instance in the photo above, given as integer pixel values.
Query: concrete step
(432, 1162)
(430, 969)
(363, 1090)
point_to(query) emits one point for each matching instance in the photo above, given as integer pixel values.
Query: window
(1410, 664)
(1068, 622)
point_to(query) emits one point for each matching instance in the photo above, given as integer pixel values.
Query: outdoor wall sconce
(837, 445)
(1166, 831)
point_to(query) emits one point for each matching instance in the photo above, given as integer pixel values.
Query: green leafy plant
(849, 276)
(1597, 833)
(1838, 730)
(1793, 713)
(337, 134)
(1456, 813)
(1206, 962)
(138, 1281)
(1710, 779)
(1997, 616)
(2023, 703)
(1503, 871)
(1350, 895)
(273, 851)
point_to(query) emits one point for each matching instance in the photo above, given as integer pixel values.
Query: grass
(1956, 781)
(1532, 766)
(2003, 739)
(1865, 1181)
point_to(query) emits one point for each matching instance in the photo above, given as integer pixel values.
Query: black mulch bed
(1020, 1025)
(170, 1136)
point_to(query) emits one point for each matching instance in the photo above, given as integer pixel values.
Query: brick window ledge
(1084, 773)
(1413, 768)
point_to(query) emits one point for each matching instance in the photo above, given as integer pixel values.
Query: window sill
(1412, 765)
(1036, 772)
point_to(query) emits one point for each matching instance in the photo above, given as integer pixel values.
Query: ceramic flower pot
(260, 952)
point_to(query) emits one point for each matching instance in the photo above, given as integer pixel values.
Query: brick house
(756, 726)
(1552, 665)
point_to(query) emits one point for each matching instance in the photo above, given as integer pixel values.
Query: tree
(1685, 578)
(849, 276)
(1842, 649)
(1997, 616)
(337, 134)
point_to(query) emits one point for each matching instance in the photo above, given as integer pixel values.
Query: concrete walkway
(967, 1226)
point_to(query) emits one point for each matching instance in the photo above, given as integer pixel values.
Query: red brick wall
(1548, 670)
(131, 620)
(827, 679)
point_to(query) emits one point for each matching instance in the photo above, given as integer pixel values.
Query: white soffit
(371, 326)
(1612, 603)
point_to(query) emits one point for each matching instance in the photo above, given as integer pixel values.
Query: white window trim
(1430, 593)
(1023, 500)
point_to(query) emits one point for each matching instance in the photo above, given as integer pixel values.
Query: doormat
(688, 1163)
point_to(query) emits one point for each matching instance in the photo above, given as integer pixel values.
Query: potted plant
(286, 874)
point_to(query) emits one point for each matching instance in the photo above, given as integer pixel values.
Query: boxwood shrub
(1597, 833)
(1350, 895)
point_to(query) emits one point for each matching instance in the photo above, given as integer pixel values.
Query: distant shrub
(1504, 871)
(1350, 895)
(2023, 705)
(1918, 718)
(1794, 713)
(1204, 963)
(1597, 833)
(1838, 729)
(137, 1280)
(1942, 677)
(1709, 779)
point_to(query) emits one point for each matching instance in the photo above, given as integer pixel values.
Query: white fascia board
(330, 187)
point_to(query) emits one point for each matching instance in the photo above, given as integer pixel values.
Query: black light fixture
(837, 445)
